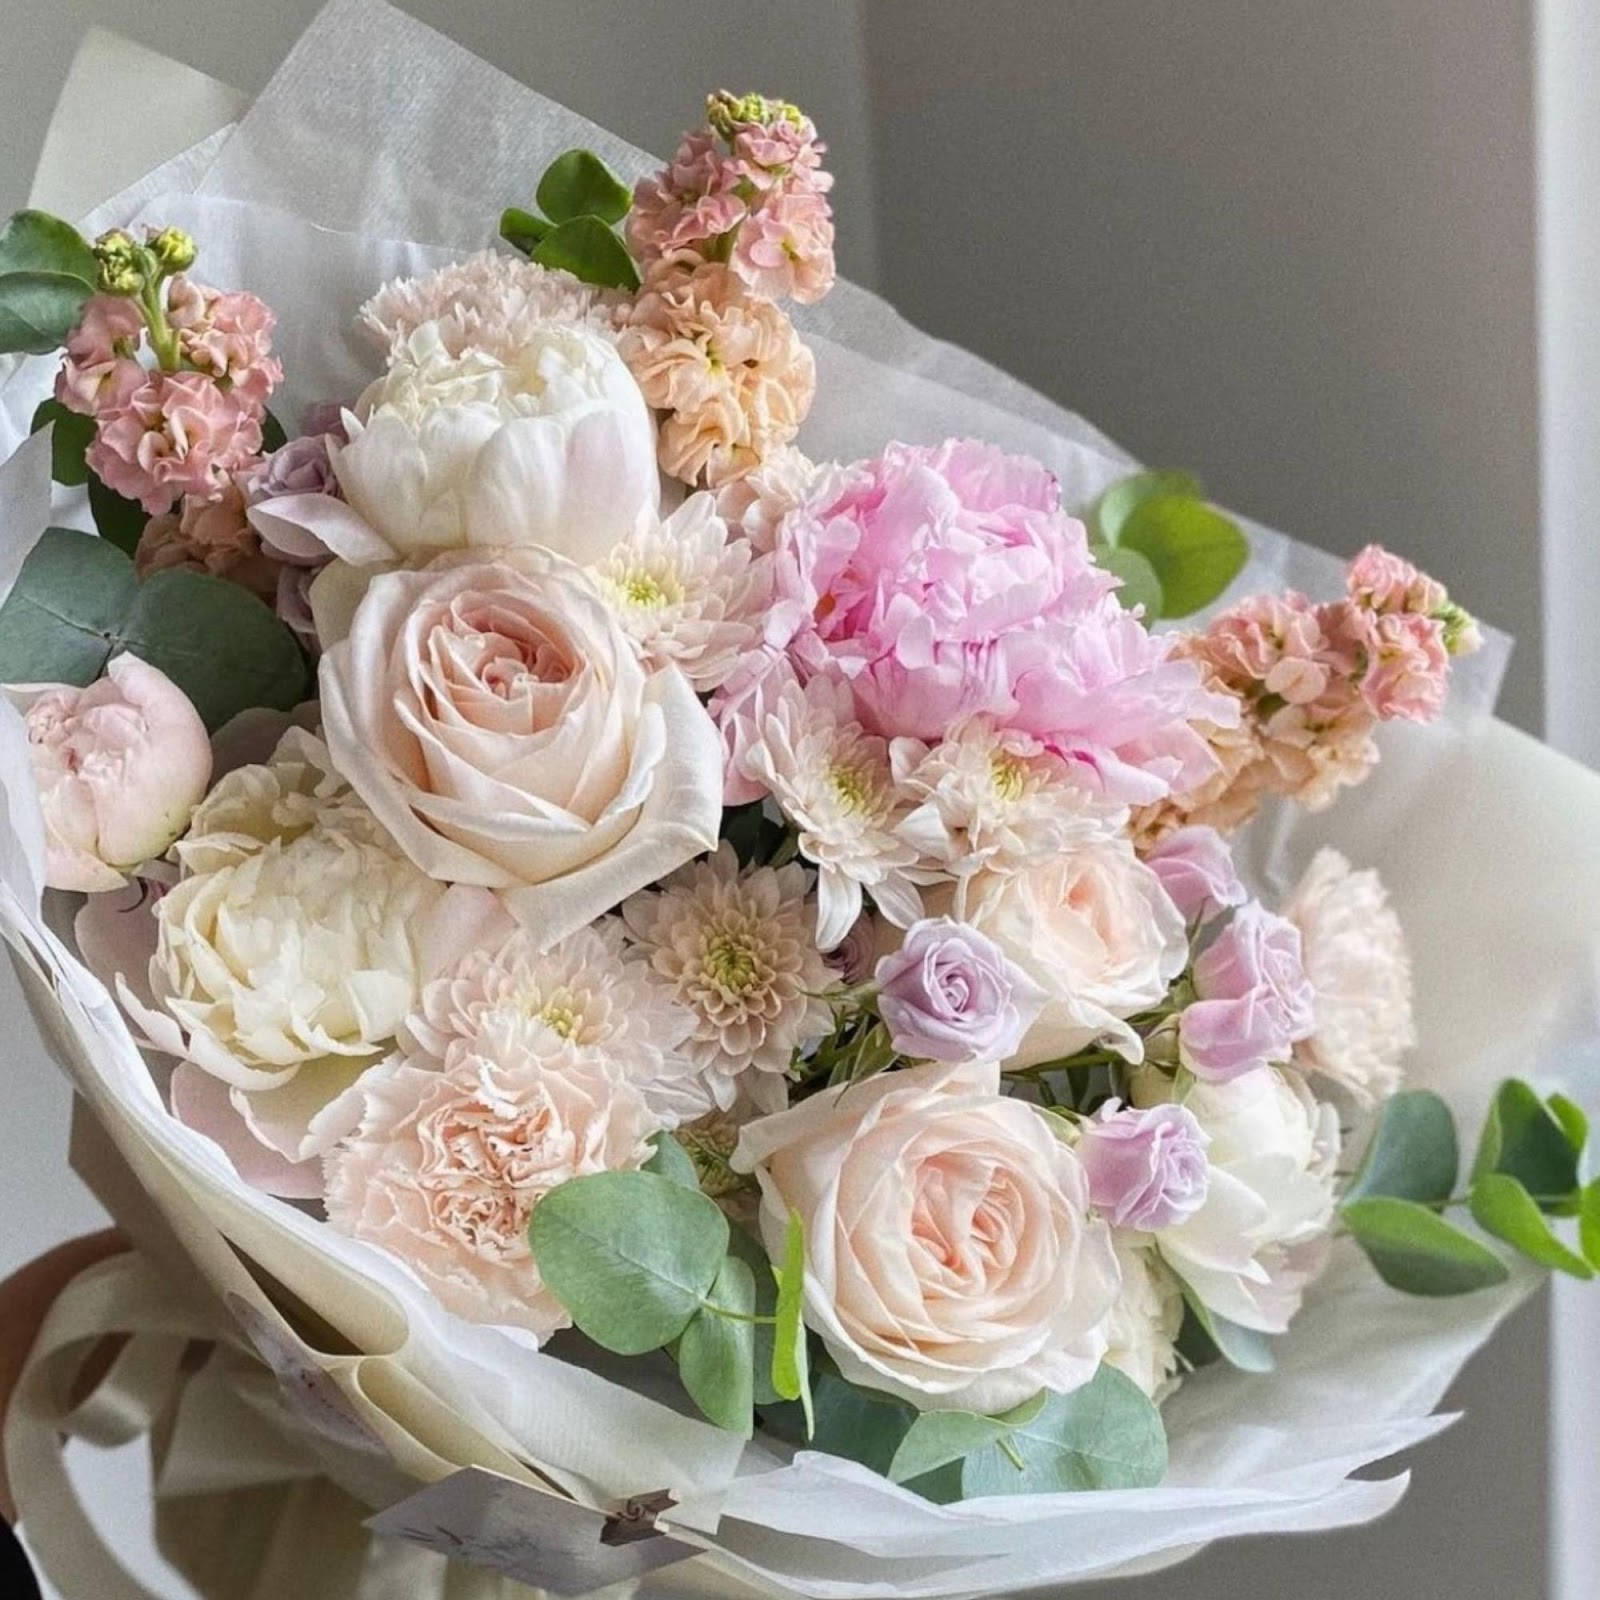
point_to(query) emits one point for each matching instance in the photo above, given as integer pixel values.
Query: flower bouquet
(745, 959)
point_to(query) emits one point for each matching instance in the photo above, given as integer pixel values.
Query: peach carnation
(446, 1168)
(727, 369)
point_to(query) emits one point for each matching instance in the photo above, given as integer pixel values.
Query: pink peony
(1147, 1169)
(946, 582)
(178, 434)
(1253, 1001)
(99, 370)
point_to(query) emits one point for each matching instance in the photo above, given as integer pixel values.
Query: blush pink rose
(498, 722)
(950, 1255)
(119, 767)
(1254, 1002)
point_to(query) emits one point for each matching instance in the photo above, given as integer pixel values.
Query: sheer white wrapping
(380, 148)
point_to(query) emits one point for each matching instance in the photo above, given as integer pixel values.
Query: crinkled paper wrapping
(380, 148)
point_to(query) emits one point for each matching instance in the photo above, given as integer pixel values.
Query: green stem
(1011, 1453)
(737, 1316)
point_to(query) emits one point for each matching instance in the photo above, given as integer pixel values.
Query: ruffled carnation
(727, 369)
(489, 302)
(177, 434)
(687, 593)
(445, 1169)
(1360, 971)
(735, 948)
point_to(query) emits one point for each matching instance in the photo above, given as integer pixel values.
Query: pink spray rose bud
(119, 767)
(1196, 869)
(1254, 999)
(949, 994)
(1147, 1169)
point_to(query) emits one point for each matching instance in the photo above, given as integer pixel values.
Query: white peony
(1262, 1234)
(293, 945)
(550, 443)
(1360, 969)
(1144, 1322)
(1097, 932)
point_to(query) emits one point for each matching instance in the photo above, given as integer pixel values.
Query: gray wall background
(1286, 244)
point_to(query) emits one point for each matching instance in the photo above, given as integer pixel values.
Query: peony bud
(119, 768)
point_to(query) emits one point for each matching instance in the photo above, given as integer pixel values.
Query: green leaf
(937, 1438)
(73, 436)
(859, 1424)
(1501, 1206)
(1195, 550)
(522, 229)
(221, 645)
(1119, 502)
(1413, 1154)
(580, 184)
(1574, 1122)
(1416, 1251)
(1245, 1348)
(789, 1363)
(273, 434)
(716, 1355)
(671, 1160)
(1140, 585)
(37, 311)
(34, 241)
(631, 1255)
(1589, 1222)
(120, 521)
(753, 835)
(753, 1254)
(590, 251)
(1523, 1139)
(1106, 1435)
(64, 616)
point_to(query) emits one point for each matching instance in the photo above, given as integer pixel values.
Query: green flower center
(730, 964)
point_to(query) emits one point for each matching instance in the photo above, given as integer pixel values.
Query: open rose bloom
(725, 910)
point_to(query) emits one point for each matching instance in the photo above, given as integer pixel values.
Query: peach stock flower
(211, 536)
(727, 370)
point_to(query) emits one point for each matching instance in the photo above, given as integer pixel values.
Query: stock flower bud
(173, 249)
(121, 263)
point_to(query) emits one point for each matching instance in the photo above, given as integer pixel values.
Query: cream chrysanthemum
(446, 1167)
(757, 502)
(486, 302)
(580, 996)
(1360, 971)
(833, 781)
(995, 802)
(688, 593)
(736, 949)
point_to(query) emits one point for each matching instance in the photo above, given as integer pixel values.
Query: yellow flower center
(1007, 775)
(730, 964)
(852, 787)
(561, 1018)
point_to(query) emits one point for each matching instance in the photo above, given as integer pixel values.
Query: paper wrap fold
(380, 148)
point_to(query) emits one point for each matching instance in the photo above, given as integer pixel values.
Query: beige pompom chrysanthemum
(737, 950)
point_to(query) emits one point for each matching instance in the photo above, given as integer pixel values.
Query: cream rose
(499, 724)
(546, 442)
(950, 1255)
(1097, 932)
(1262, 1233)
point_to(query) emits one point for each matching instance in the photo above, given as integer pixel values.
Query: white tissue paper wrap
(379, 149)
